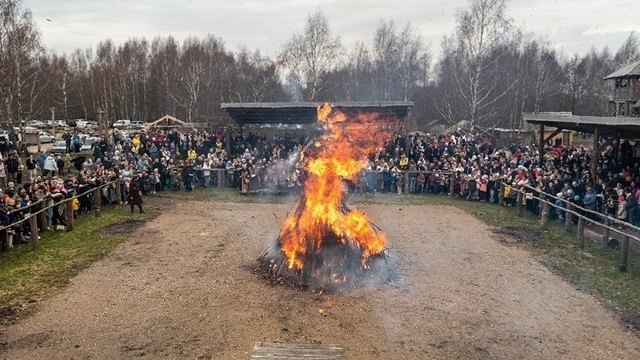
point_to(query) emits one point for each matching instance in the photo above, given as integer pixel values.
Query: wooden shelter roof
(306, 112)
(624, 127)
(169, 120)
(632, 69)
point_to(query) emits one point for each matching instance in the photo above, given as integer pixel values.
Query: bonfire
(324, 245)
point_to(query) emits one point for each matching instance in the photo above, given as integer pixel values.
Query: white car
(59, 147)
(45, 137)
(87, 144)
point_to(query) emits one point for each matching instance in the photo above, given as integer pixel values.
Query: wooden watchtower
(626, 90)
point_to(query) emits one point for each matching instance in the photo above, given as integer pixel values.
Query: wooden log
(580, 233)
(119, 191)
(568, 218)
(69, 212)
(544, 216)
(33, 225)
(97, 201)
(624, 253)
(605, 233)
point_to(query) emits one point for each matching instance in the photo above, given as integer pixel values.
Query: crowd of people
(148, 162)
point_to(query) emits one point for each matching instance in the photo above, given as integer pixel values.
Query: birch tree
(469, 62)
(306, 57)
(20, 50)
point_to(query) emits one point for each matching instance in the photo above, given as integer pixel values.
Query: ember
(323, 244)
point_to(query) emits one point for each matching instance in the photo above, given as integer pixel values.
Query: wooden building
(626, 90)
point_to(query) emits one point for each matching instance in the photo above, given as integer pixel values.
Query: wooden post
(568, 218)
(544, 217)
(624, 253)
(452, 183)
(406, 183)
(43, 223)
(221, 177)
(501, 194)
(605, 233)
(70, 220)
(33, 225)
(97, 201)
(119, 191)
(519, 199)
(541, 145)
(6, 240)
(580, 233)
(596, 155)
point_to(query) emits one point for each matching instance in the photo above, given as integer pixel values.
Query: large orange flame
(341, 155)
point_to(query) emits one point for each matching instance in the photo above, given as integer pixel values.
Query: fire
(340, 155)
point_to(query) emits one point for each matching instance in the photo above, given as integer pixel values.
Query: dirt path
(182, 287)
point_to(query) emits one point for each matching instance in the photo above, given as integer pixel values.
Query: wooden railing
(607, 223)
(38, 220)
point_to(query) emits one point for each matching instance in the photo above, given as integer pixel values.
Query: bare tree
(307, 56)
(470, 60)
(19, 52)
(628, 52)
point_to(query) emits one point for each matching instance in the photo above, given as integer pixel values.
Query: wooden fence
(607, 223)
(38, 220)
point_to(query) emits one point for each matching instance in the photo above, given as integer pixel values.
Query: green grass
(27, 276)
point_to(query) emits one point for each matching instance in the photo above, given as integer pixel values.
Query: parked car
(137, 125)
(121, 123)
(87, 144)
(91, 124)
(5, 134)
(36, 124)
(45, 137)
(60, 147)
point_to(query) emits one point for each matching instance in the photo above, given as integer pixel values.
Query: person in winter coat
(622, 208)
(589, 202)
(50, 165)
(135, 194)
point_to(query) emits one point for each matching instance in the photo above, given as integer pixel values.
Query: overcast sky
(572, 25)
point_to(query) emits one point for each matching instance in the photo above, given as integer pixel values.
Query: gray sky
(572, 25)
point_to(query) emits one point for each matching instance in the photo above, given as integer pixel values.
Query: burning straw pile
(323, 244)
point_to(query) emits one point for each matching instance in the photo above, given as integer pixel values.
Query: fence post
(119, 191)
(452, 183)
(544, 215)
(70, 220)
(6, 240)
(33, 225)
(519, 199)
(406, 183)
(97, 201)
(605, 233)
(580, 232)
(624, 253)
(43, 223)
(501, 194)
(220, 177)
(568, 218)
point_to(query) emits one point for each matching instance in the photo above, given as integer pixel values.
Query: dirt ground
(183, 286)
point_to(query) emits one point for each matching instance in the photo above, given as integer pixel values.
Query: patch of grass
(26, 276)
